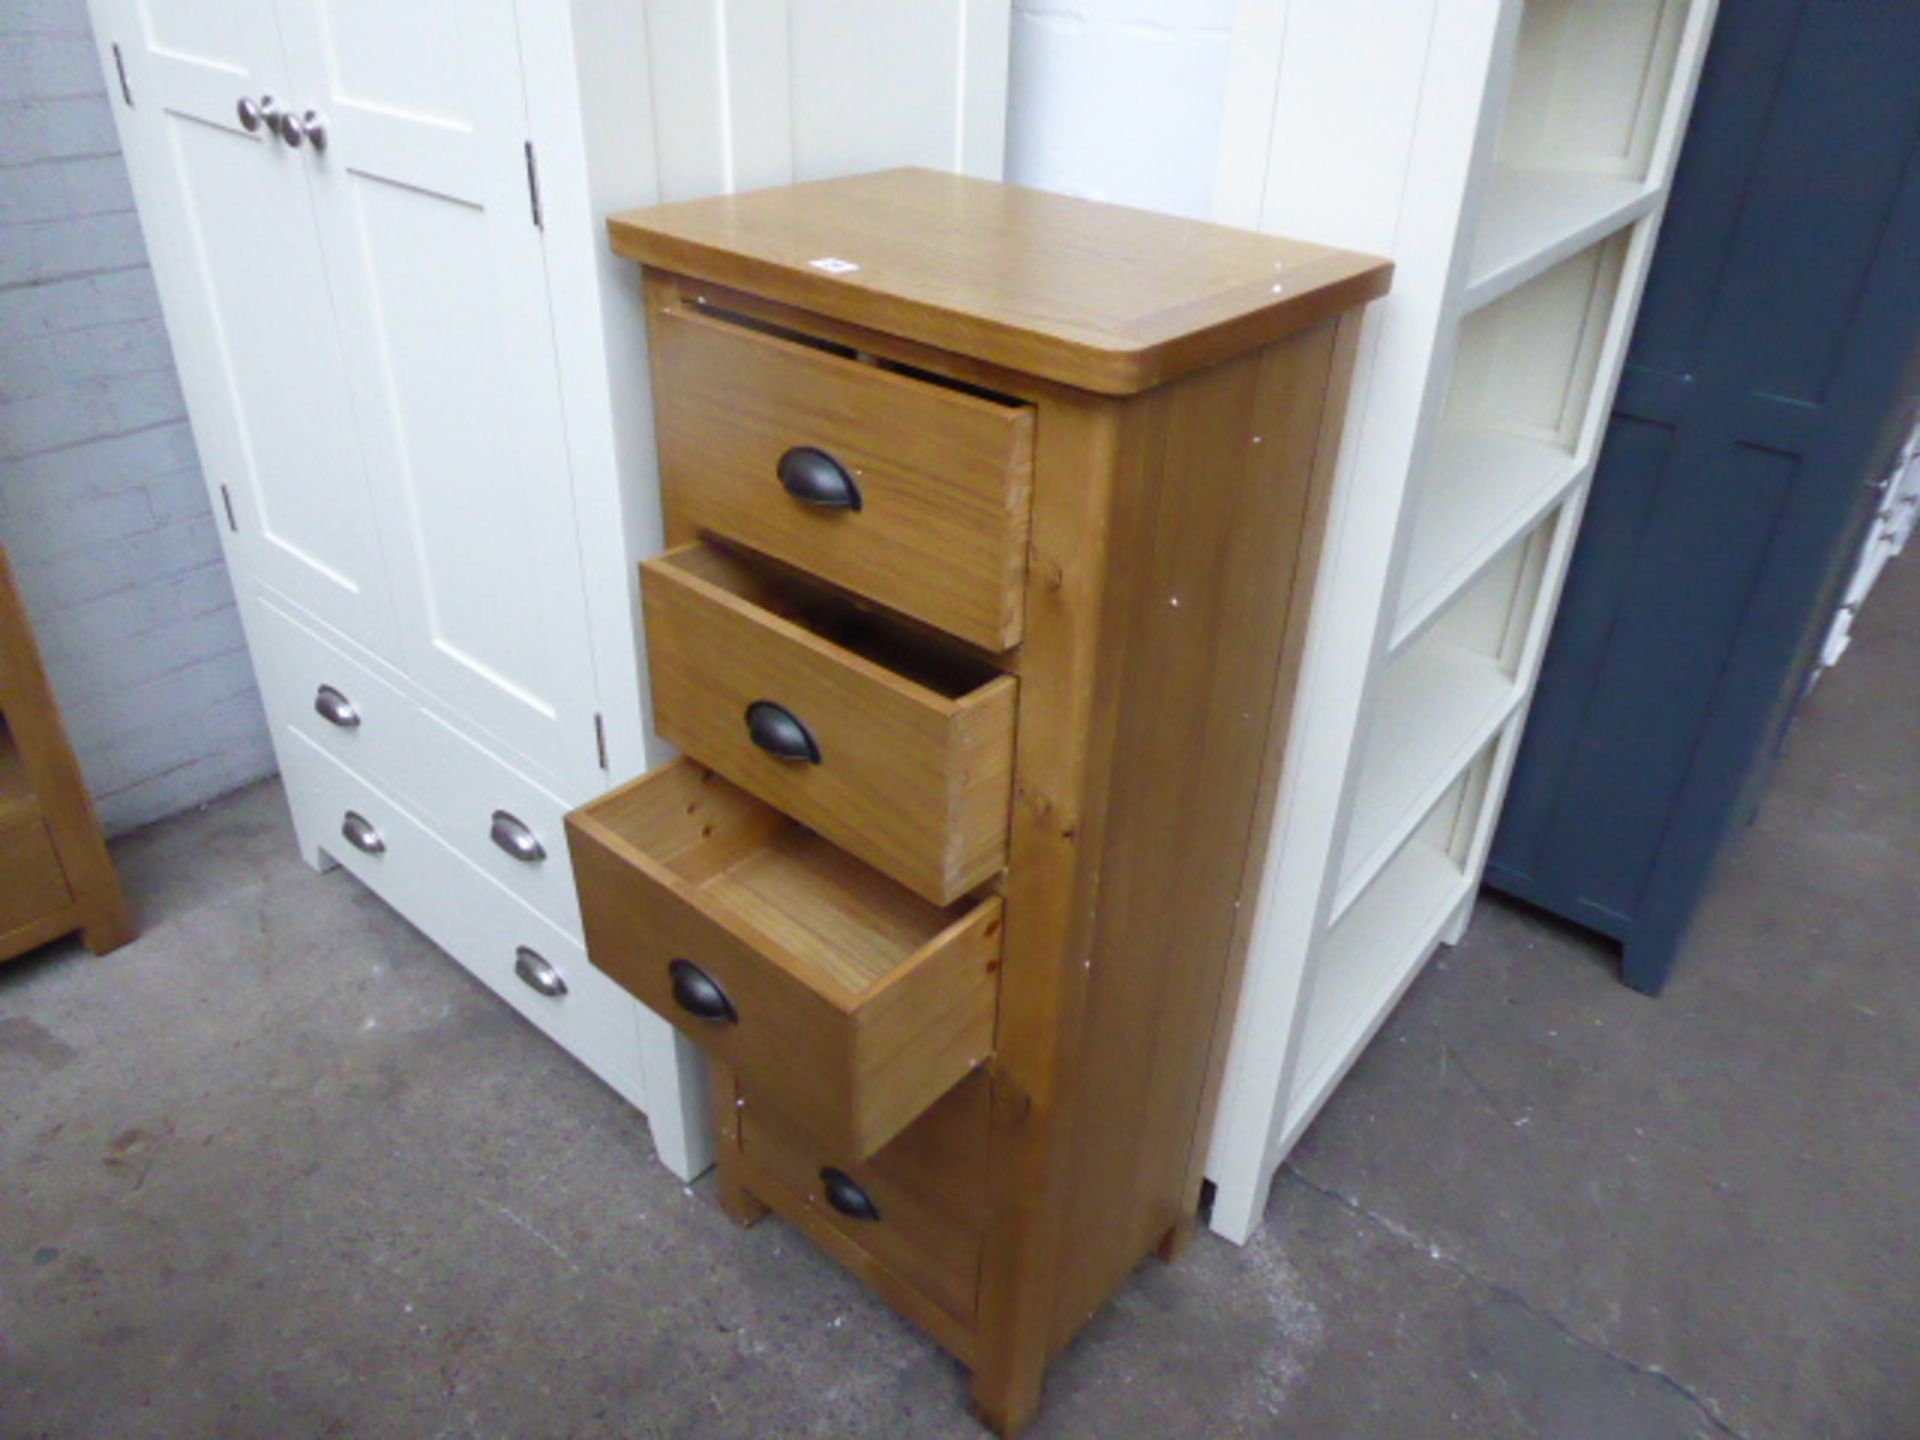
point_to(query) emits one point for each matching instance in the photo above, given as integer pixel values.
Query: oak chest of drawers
(992, 519)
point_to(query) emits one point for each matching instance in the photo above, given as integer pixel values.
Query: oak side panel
(1060, 742)
(33, 887)
(1123, 898)
(737, 1203)
(1260, 828)
(1211, 523)
(26, 699)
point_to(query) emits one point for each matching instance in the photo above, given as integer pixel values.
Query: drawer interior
(839, 926)
(859, 1001)
(913, 651)
(727, 312)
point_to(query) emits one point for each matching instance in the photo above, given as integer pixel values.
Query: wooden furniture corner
(55, 874)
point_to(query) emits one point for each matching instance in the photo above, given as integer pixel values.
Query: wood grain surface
(1101, 297)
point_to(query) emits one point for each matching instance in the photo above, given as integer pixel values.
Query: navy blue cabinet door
(1780, 312)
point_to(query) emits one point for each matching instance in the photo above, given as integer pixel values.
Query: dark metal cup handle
(781, 733)
(813, 477)
(844, 1194)
(697, 993)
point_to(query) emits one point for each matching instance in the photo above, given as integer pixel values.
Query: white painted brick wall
(102, 506)
(1119, 100)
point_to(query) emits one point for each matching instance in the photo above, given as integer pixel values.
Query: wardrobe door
(421, 175)
(225, 207)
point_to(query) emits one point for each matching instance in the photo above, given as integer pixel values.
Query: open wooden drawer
(904, 488)
(892, 743)
(822, 982)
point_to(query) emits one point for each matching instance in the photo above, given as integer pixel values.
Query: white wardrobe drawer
(341, 705)
(469, 795)
(504, 823)
(540, 971)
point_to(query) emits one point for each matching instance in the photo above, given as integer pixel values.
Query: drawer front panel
(942, 476)
(912, 781)
(691, 889)
(927, 1189)
(407, 750)
(32, 883)
(339, 704)
(503, 823)
(477, 922)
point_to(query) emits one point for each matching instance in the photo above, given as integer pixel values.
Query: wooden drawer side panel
(1199, 695)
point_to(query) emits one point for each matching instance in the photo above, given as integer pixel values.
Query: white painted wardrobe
(1513, 157)
(417, 379)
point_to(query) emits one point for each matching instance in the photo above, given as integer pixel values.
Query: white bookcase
(1513, 157)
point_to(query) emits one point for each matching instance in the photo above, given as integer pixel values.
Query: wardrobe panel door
(432, 241)
(226, 212)
(753, 93)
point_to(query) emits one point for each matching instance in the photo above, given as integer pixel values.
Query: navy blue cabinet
(1771, 353)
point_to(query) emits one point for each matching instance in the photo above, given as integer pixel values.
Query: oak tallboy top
(1099, 297)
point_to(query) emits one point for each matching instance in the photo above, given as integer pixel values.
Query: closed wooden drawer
(531, 964)
(33, 885)
(942, 475)
(857, 1002)
(889, 744)
(917, 1209)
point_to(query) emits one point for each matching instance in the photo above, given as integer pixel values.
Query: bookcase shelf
(1373, 952)
(1441, 700)
(1483, 489)
(1527, 362)
(1590, 85)
(1534, 219)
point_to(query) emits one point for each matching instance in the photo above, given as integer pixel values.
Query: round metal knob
(287, 126)
(314, 126)
(255, 113)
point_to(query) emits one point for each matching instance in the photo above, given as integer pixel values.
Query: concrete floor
(280, 1169)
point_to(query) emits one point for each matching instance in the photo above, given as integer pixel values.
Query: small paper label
(834, 265)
